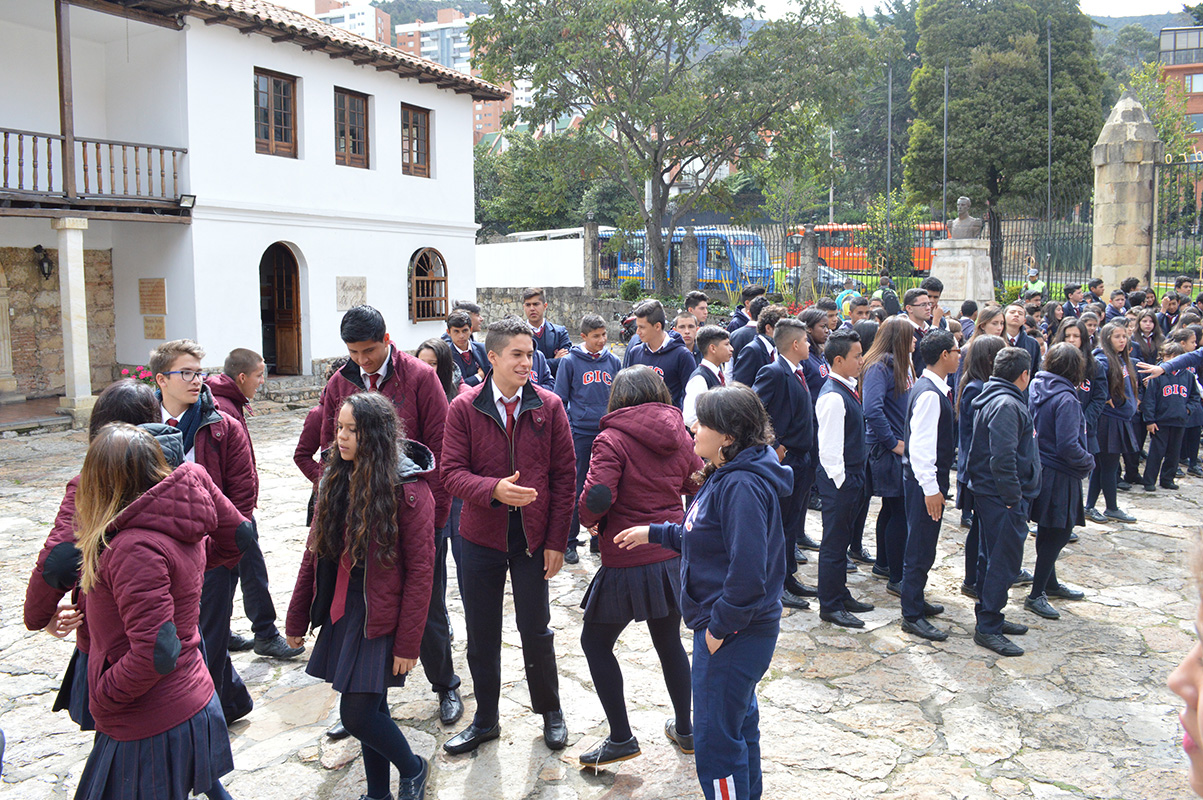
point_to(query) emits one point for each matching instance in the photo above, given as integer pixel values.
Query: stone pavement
(843, 715)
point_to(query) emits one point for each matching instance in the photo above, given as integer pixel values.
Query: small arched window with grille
(427, 286)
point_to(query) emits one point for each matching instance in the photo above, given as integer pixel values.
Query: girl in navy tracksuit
(1165, 411)
(1186, 337)
(732, 550)
(1116, 432)
(976, 367)
(887, 379)
(1060, 428)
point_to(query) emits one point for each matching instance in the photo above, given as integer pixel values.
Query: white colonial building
(224, 170)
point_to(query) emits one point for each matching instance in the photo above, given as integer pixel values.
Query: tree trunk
(657, 253)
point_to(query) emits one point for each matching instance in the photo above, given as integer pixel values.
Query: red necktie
(338, 605)
(373, 382)
(1012, 341)
(539, 331)
(466, 356)
(173, 422)
(510, 407)
(801, 375)
(948, 394)
(722, 379)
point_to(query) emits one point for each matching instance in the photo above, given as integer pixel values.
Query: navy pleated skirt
(1059, 504)
(345, 658)
(618, 595)
(1117, 435)
(188, 759)
(73, 694)
(886, 468)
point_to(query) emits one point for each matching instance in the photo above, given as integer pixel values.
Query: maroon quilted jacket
(642, 462)
(415, 390)
(42, 599)
(397, 597)
(223, 448)
(477, 454)
(145, 670)
(309, 445)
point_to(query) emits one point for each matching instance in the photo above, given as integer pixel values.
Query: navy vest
(707, 374)
(856, 452)
(945, 436)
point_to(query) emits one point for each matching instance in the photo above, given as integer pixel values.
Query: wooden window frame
(348, 159)
(272, 146)
(415, 119)
(427, 293)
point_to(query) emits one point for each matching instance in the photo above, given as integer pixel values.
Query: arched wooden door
(279, 302)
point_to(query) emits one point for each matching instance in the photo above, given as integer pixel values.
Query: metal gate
(1177, 219)
(1056, 237)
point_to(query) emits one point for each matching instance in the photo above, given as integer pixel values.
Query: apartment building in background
(1182, 61)
(356, 16)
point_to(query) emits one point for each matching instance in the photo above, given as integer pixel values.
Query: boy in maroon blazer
(508, 455)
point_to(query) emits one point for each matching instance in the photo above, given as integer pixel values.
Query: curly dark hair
(734, 411)
(357, 500)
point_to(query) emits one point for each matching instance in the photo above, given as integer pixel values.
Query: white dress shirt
(190, 456)
(500, 400)
(925, 418)
(830, 412)
(696, 386)
(769, 347)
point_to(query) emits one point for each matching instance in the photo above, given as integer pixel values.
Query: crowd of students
(689, 464)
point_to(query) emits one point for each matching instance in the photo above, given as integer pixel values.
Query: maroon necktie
(338, 604)
(1012, 340)
(801, 375)
(373, 382)
(466, 356)
(722, 379)
(510, 407)
(173, 422)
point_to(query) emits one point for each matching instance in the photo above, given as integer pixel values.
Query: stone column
(1124, 157)
(687, 270)
(592, 256)
(78, 399)
(8, 381)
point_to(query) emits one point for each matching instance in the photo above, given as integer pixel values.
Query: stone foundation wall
(566, 306)
(36, 321)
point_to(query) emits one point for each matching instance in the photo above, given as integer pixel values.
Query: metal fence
(1057, 239)
(1178, 221)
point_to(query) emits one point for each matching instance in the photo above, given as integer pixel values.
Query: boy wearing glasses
(917, 305)
(218, 443)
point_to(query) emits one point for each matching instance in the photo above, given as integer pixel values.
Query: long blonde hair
(122, 463)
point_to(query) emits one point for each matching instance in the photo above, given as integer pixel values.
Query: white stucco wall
(556, 262)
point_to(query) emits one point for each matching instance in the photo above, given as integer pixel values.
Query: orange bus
(839, 250)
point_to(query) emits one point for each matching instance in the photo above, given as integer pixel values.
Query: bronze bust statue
(964, 226)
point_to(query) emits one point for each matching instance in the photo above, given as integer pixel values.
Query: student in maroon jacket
(239, 381)
(218, 443)
(365, 582)
(641, 427)
(142, 531)
(508, 454)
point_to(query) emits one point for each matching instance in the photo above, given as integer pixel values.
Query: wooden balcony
(43, 176)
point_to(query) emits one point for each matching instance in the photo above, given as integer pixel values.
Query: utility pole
(889, 151)
(831, 185)
(944, 185)
(1049, 178)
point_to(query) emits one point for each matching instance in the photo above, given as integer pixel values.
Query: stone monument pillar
(962, 261)
(78, 399)
(1124, 159)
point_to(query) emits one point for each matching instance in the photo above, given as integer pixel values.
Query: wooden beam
(285, 37)
(216, 20)
(115, 216)
(359, 62)
(425, 78)
(66, 101)
(125, 12)
(314, 45)
(249, 29)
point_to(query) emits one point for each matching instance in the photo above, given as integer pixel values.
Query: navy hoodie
(1169, 398)
(1128, 409)
(1004, 461)
(583, 383)
(1092, 394)
(673, 362)
(1060, 425)
(732, 545)
(885, 414)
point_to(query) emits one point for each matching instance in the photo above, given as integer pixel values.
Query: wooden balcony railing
(33, 164)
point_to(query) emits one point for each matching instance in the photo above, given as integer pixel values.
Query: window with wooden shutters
(275, 114)
(350, 128)
(415, 141)
(427, 286)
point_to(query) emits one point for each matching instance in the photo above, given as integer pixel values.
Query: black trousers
(1190, 445)
(435, 651)
(857, 542)
(216, 608)
(999, 557)
(841, 509)
(484, 571)
(922, 535)
(793, 507)
(1164, 447)
(582, 444)
(256, 597)
(891, 536)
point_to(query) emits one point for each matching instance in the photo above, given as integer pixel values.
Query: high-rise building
(1182, 63)
(356, 16)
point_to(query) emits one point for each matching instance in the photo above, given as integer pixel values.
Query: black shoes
(1064, 592)
(1041, 607)
(1124, 486)
(1196, 470)
(609, 752)
(932, 609)
(842, 618)
(807, 543)
(276, 647)
(968, 591)
(791, 600)
(966, 522)
(415, 788)
(1150, 487)
(337, 732)
(802, 590)
(681, 740)
(451, 707)
(998, 643)
(1094, 515)
(857, 607)
(1013, 628)
(471, 738)
(861, 555)
(1024, 578)
(1118, 516)
(800, 555)
(555, 731)
(922, 628)
(849, 567)
(815, 503)
(1073, 537)
(1170, 485)
(880, 574)
(570, 556)
(894, 588)
(240, 643)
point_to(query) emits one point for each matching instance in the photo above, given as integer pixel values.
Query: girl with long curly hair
(365, 581)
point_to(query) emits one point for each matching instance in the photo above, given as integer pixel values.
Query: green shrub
(631, 289)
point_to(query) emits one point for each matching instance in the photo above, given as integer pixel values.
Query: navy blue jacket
(672, 362)
(732, 545)
(1111, 314)
(816, 371)
(1167, 321)
(1192, 361)
(1092, 394)
(1071, 310)
(885, 414)
(1126, 410)
(788, 402)
(555, 337)
(741, 338)
(750, 361)
(739, 319)
(1004, 461)
(1060, 425)
(1169, 399)
(583, 383)
(479, 360)
(965, 427)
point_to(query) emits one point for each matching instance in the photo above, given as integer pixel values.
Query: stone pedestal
(964, 267)
(78, 398)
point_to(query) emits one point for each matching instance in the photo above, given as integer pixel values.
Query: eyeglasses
(188, 375)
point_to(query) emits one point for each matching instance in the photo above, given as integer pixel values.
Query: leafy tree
(487, 180)
(1165, 103)
(676, 89)
(1195, 11)
(889, 241)
(997, 129)
(609, 203)
(538, 184)
(402, 12)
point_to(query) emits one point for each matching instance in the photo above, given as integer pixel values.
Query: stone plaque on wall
(152, 296)
(154, 327)
(350, 292)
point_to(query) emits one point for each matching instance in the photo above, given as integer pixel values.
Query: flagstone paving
(874, 713)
